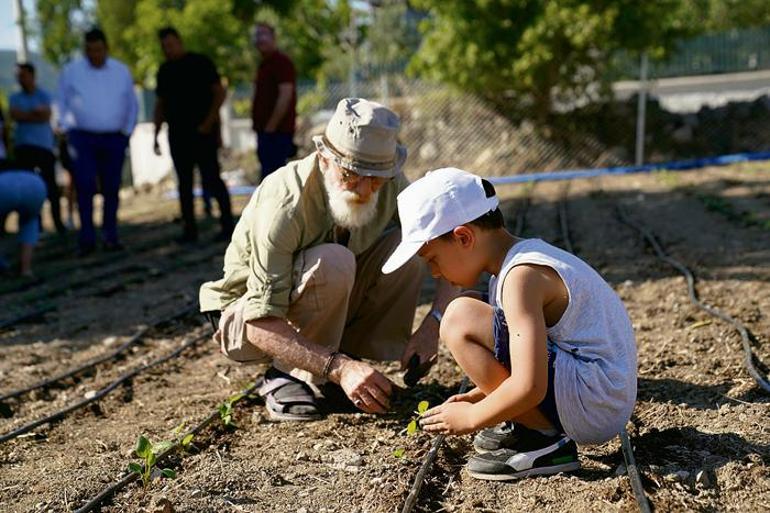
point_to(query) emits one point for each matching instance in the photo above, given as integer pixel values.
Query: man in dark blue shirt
(189, 94)
(33, 138)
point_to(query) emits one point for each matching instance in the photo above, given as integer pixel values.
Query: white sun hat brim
(403, 252)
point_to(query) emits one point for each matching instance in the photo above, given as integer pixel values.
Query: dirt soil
(699, 429)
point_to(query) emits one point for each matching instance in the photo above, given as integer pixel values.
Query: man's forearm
(219, 96)
(21, 116)
(158, 116)
(280, 109)
(277, 338)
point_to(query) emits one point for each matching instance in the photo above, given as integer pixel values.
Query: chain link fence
(445, 127)
(685, 115)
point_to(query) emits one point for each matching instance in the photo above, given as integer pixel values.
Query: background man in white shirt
(98, 110)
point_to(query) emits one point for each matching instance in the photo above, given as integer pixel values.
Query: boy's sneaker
(502, 436)
(536, 454)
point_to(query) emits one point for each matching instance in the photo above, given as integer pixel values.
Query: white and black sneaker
(535, 454)
(502, 436)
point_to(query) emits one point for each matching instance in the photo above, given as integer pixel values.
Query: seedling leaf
(186, 440)
(235, 398)
(150, 459)
(162, 446)
(412, 427)
(422, 407)
(135, 468)
(169, 473)
(179, 428)
(399, 453)
(143, 447)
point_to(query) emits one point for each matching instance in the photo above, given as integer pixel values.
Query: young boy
(552, 354)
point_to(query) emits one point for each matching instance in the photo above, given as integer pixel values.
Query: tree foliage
(538, 52)
(63, 21)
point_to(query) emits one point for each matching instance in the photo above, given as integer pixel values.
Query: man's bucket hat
(361, 136)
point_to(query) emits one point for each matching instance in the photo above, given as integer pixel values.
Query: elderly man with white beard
(302, 288)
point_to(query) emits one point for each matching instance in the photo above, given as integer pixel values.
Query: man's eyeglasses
(352, 178)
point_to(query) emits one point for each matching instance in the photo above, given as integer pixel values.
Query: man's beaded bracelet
(329, 362)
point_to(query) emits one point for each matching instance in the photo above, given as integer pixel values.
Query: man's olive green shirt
(288, 213)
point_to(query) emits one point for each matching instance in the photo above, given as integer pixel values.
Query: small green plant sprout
(185, 442)
(226, 410)
(413, 426)
(149, 453)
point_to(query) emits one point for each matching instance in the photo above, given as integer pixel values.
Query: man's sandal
(287, 398)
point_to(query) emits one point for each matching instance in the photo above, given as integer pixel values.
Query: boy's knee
(458, 318)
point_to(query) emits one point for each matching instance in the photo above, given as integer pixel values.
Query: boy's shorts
(503, 355)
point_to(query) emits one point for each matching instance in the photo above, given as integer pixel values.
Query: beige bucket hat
(361, 137)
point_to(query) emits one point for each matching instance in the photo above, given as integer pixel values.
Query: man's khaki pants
(340, 302)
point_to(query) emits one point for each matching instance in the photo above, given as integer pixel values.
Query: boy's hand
(473, 396)
(450, 418)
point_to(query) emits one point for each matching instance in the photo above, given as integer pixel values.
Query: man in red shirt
(273, 107)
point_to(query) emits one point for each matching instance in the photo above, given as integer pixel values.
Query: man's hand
(368, 389)
(424, 343)
(206, 127)
(450, 418)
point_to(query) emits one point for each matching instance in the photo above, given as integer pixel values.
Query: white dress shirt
(97, 99)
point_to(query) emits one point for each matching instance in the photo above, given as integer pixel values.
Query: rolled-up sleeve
(275, 239)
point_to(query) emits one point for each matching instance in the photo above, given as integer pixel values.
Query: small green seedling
(185, 442)
(226, 410)
(413, 426)
(149, 453)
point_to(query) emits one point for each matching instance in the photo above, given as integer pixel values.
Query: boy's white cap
(434, 205)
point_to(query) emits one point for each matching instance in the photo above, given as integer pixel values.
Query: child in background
(552, 354)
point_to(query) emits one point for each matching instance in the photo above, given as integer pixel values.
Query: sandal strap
(274, 384)
(287, 403)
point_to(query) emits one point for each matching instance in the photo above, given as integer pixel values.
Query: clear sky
(8, 31)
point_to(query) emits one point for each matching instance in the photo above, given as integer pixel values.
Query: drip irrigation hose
(633, 472)
(103, 392)
(111, 287)
(139, 335)
(715, 312)
(427, 463)
(109, 491)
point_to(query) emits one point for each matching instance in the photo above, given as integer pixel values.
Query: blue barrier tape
(678, 165)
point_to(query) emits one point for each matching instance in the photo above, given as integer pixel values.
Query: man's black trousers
(189, 149)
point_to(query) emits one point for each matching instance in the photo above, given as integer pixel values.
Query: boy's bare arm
(524, 292)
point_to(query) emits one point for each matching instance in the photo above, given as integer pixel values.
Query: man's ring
(358, 402)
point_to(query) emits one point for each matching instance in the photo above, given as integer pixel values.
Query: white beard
(344, 206)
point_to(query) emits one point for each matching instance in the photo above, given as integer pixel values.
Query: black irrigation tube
(136, 337)
(427, 463)
(715, 312)
(634, 476)
(633, 472)
(77, 263)
(110, 287)
(109, 491)
(143, 246)
(103, 392)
